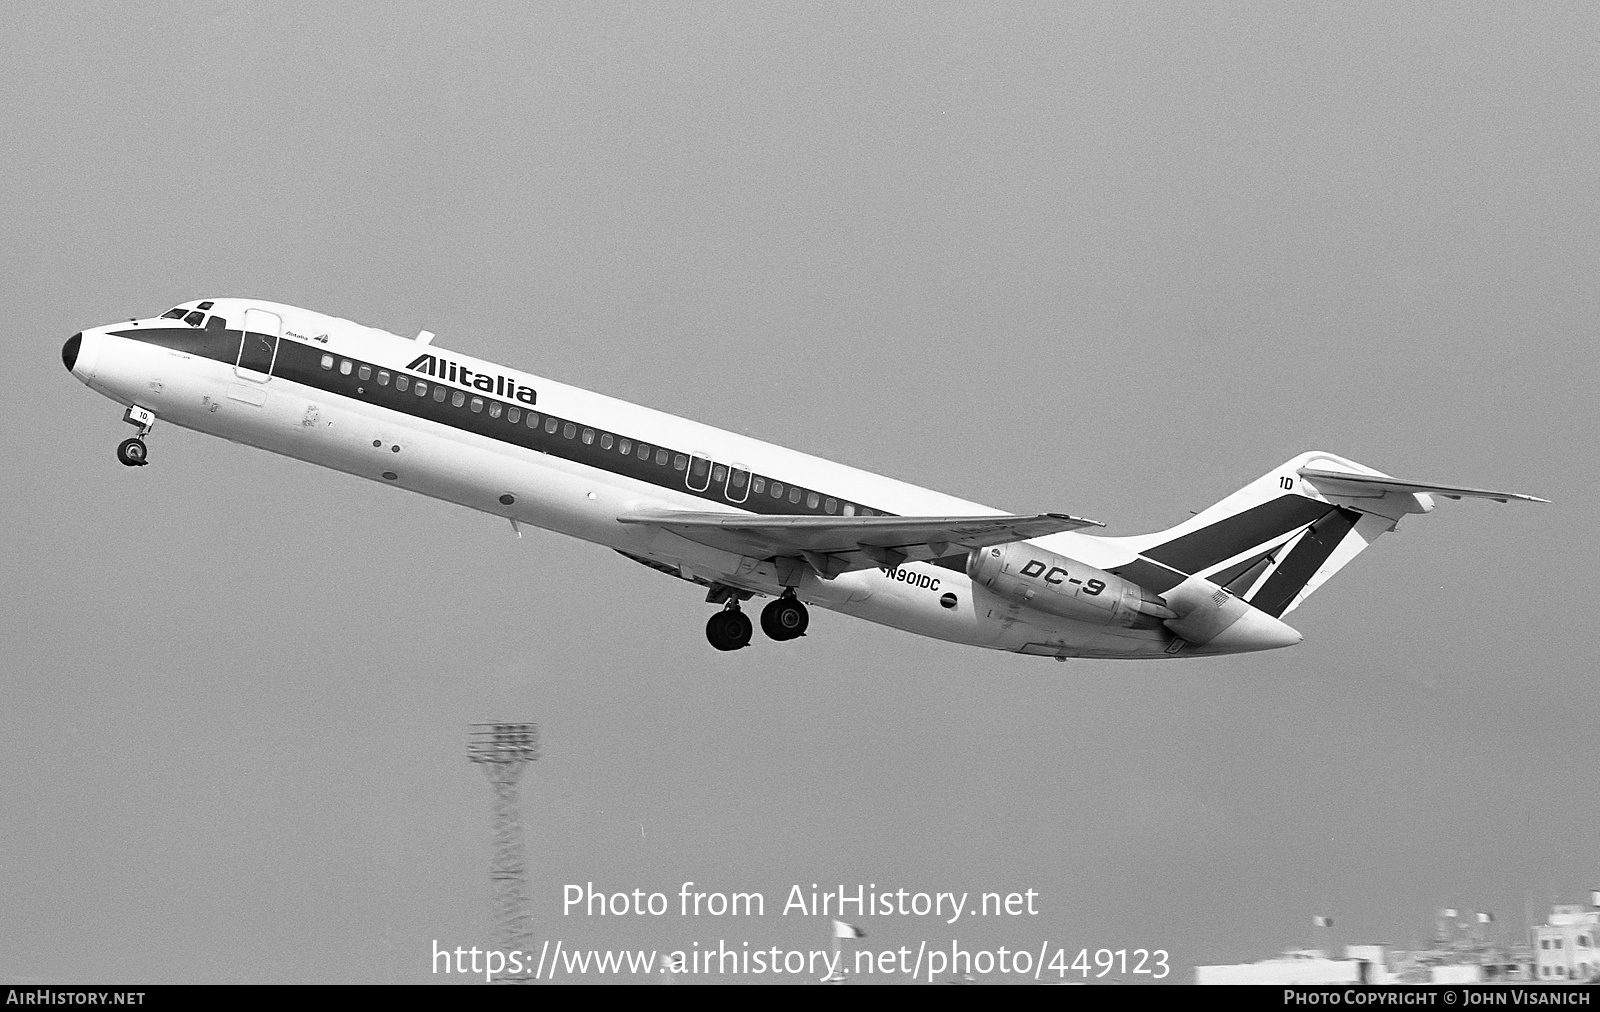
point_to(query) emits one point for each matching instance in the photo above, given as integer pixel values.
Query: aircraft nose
(69, 351)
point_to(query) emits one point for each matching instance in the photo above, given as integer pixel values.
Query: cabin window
(345, 365)
(568, 431)
(513, 415)
(777, 490)
(794, 495)
(458, 398)
(588, 437)
(365, 372)
(811, 500)
(661, 457)
(644, 451)
(758, 485)
(440, 393)
(551, 425)
(849, 509)
(476, 405)
(679, 462)
(422, 388)
(401, 382)
(606, 439)
(533, 419)
(832, 505)
(383, 377)
(495, 407)
(327, 361)
(625, 447)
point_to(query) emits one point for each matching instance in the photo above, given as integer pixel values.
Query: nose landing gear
(785, 618)
(729, 629)
(133, 452)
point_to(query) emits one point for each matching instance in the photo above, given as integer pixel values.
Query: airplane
(735, 515)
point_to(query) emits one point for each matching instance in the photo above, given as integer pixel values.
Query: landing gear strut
(785, 618)
(133, 452)
(729, 629)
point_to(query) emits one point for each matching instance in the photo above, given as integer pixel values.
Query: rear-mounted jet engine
(1061, 586)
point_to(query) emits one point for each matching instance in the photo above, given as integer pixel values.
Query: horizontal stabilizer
(834, 545)
(1357, 486)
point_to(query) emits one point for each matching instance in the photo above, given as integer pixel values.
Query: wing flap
(833, 545)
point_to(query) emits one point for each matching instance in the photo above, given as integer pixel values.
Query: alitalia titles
(441, 368)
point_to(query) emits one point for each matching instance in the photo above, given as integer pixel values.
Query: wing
(834, 545)
(1359, 486)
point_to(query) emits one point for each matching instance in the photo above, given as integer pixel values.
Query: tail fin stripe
(1295, 571)
(1154, 578)
(1223, 577)
(1238, 533)
(1240, 578)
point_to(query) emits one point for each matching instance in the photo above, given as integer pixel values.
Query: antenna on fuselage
(425, 337)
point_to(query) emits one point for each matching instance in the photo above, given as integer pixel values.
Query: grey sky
(1115, 260)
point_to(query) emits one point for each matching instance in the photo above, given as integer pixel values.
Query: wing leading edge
(835, 545)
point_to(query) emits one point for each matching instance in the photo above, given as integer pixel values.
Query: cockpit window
(205, 305)
(174, 314)
(216, 323)
(194, 319)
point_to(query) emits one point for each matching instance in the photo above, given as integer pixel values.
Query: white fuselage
(330, 392)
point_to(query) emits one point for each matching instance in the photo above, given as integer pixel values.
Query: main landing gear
(785, 618)
(133, 452)
(729, 629)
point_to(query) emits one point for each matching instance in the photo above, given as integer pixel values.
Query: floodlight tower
(503, 750)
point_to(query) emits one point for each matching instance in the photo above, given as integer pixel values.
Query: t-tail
(1233, 571)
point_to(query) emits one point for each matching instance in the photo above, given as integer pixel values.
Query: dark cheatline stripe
(1154, 578)
(1239, 533)
(1296, 571)
(1224, 577)
(301, 363)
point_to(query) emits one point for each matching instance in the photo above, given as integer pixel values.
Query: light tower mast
(502, 751)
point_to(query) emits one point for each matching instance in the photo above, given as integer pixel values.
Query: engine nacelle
(1061, 586)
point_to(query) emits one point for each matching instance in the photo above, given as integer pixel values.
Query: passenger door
(258, 345)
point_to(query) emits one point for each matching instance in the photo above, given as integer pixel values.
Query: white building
(1565, 948)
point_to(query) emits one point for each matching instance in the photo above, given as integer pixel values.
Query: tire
(728, 630)
(740, 628)
(785, 619)
(769, 624)
(133, 452)
(791, 617)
